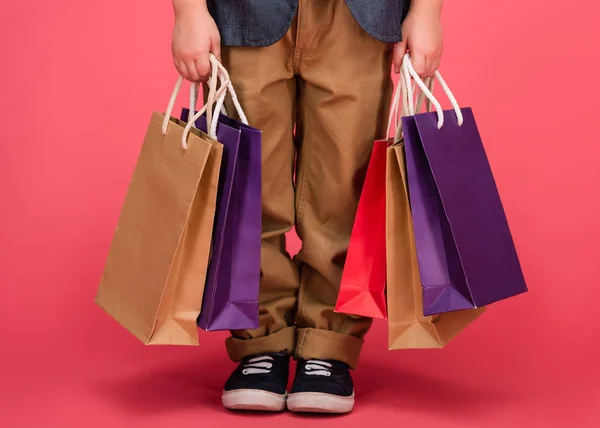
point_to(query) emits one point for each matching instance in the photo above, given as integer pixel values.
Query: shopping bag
(154, 276)
(465, 250)
(362, 289)
(232, 287)
(408, 327)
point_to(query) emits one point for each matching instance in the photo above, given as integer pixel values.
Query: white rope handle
(223, 76)
(407, 106)
(212, 88)
(410, 105)
(220, 96)
(394, 109)
(194, 102)
(192, 121)
(171, 105)
(410, 102)
(213, 94)
(402, 104)
(226, 81)
(210, 100)
(409, 71)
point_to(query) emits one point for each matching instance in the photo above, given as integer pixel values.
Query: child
(323, 67)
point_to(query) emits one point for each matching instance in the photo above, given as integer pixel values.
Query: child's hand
(422, 35)
(195, 36)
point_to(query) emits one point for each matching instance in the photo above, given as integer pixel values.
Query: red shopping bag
(362, 291)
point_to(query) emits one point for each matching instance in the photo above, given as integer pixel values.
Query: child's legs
(344, 97)
(266, 87)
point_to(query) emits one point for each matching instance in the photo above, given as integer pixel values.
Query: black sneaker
(322, 387)
(259, 383)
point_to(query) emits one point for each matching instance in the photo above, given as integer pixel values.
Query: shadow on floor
(189, 384)
(388, 386)
(168, 388)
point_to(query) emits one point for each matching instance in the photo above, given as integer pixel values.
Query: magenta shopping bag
(465, 250)
(231, 293)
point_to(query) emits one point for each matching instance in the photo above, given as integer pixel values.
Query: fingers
(189, 71)
(426, 64)
(182, 69)
(193, 72)
(197, 70)
(196, 66)
(215, 48)
(419, 63)
(202, 67)
(399, 51)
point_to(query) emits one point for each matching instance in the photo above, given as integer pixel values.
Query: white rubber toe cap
(253, 399)
(316, 402)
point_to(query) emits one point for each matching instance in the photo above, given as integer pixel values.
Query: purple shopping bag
(231, 294)
(465, 250)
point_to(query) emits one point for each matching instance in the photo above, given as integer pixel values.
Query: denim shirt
(264, 22)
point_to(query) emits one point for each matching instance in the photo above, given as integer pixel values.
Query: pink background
(79, 80)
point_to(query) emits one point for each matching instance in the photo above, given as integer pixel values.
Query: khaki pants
(331, 81)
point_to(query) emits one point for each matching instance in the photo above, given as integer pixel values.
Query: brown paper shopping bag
(154, 277)
(408, 327)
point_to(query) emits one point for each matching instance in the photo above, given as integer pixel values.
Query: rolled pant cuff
(328, 345)
(281, 341)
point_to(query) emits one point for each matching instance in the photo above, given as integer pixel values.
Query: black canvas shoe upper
(327, 377)
(265, 372)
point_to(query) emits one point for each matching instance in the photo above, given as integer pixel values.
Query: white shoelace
(263, 365)
(258, 365)
(317, 368)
